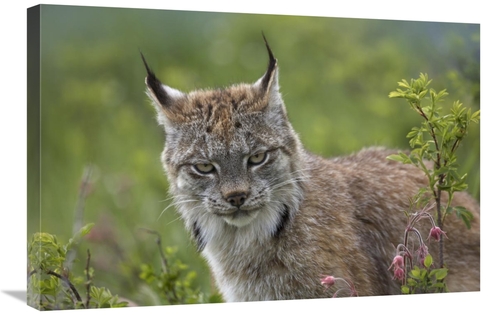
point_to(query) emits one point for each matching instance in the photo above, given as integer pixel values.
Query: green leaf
(395, 94)
(441, 94)
(101, 295)
(404, 84)
(405, 289)
(395, 157)
(428, 261)
(85, 229)
(465, 215)
(441, 273)
(411, 282)
(444, 187)
(412, 96)
(422, 94)
(475, 117)
(215, 298)
(77, 237)
(414, 131)
(415, 272)
(423, 274)
(449, 210)
(401, 157)
(438, 285)
(461, 186)
(119, 304)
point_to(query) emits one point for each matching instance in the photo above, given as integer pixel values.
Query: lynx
(270, 217)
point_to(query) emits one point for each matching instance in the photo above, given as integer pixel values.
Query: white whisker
(176, 219)
(173, 197)
(175, 203)
(288, 181)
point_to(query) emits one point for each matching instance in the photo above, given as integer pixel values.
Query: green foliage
(102, 298)
(436, 140)
(174, 283)
(425, 279)
(53, 287)
(434, 147)
(462, 213)
(47, 254)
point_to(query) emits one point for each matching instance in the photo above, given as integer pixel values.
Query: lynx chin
(270, 217)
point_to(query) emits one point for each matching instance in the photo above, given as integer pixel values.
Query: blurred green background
(335, 77)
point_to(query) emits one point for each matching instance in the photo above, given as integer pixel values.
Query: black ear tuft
(272, 59)
(271, 67)
(155, 86)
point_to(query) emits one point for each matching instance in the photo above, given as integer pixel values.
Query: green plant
(425, 279)
(174, 283)
(434, 145)
(52, 286)
(415, 279)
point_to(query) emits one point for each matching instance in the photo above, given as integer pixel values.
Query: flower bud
(327, 281)
(399, 273)
(436, 232)
(422, 252)
(397, 262)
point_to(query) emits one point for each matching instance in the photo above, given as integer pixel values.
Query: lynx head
(231, 156)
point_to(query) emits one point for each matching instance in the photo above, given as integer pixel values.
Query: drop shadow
(18, 294)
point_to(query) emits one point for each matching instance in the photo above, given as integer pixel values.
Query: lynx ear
(163, 97)
(268, 87)
(269, 82)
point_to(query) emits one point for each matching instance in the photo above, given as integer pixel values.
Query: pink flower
(398, 265)
(397, 262)
(435, 233)
(399, 273)
(422, 252)
(327, 281)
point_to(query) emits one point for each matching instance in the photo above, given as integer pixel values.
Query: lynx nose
(237, 199)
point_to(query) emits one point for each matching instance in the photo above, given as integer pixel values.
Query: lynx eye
(204, 168)
(257, 159)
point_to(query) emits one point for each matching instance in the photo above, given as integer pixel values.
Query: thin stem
(79, 211)
(448, 205)
(82, 196)
(420, 239)
(437, 195)
(450, 196)
(350, 288)
(424, 169)
(87, 268)
(164, 261)
(440, 225)
(31, 273)
(432, 132)
(68, 283)
(407, 258)
(455, 145)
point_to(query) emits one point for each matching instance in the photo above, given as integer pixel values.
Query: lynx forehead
(217, 106)
(221, 110)
(270, 217)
